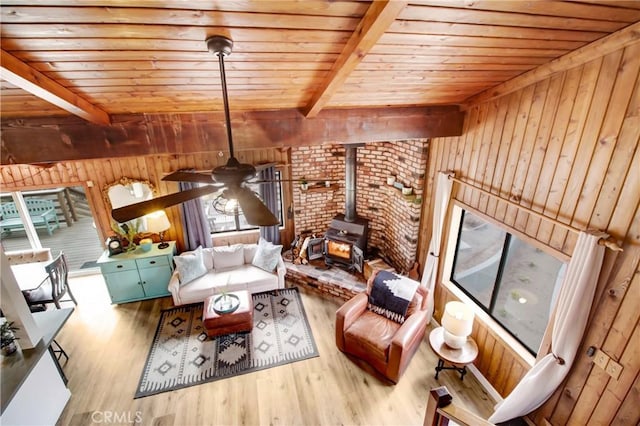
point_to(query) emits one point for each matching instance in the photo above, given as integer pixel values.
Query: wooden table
(458, 358)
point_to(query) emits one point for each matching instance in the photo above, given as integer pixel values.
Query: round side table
(457, 358)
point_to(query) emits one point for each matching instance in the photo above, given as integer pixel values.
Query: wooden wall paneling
(514, 376)
(463, 154)
(498, 357)
(495, 145)
(563, 172)
(526, 149)
(623, 216)
(471, 150)
(499, 381)
(583, 156)
(566, 100)
(626, 386)
(539, 149)
(623, 167)
(514, 151)
(505, 141)
(624, 349)
(450, 151)
(482, 150)
(488, 346)
(570, 143)
(96, 201)
(628, 413)
(608, 136)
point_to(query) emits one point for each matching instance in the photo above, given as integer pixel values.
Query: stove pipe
(351, 158)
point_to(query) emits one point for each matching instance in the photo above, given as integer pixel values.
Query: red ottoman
(237, 321)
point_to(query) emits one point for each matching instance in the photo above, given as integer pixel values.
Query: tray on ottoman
(241, 319)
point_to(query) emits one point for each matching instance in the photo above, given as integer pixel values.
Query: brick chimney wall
(394, 219)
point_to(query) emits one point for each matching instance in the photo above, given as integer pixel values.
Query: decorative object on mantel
(407, 190)
(146, 244)
(391, 180)
(8, 338)
(304, 185)
(398, 185)
(181, 354)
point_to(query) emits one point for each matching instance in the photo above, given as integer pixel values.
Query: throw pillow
(228, 257)
(190, 265)
(267, 255)
(207, 256)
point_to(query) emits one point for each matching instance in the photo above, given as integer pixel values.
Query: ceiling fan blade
(261, 167)
(181, 176)
(132, 211)
(254, 210)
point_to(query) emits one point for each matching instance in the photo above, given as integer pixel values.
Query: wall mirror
(127, 191)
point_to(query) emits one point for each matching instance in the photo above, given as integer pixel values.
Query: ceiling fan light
(225, 206)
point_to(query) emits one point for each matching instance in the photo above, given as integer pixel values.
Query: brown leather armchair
(386, 345)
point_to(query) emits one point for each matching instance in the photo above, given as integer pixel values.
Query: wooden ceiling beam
(54, 139)
(25, 77)
(380, 15)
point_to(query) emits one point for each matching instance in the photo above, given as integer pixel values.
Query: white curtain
(571, 315)
(430, 272)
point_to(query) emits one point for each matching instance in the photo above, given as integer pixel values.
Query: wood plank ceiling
(97, 58)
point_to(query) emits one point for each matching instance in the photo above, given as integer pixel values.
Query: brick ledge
(333, 283)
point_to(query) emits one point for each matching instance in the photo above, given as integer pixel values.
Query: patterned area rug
(182, 355)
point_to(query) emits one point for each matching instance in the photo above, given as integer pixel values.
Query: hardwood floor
(108, 346)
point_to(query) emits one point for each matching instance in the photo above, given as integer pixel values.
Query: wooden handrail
(441, 410)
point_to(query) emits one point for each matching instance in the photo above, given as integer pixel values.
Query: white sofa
(231, 275)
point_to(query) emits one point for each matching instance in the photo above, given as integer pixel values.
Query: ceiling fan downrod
(221, 46)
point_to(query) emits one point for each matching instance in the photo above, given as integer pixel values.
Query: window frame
(236, 217)
(450, 241)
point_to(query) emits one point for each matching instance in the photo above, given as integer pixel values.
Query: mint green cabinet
(138, 275)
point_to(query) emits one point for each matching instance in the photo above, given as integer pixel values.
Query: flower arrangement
(127, 231)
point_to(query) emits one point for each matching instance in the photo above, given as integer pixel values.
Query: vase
(391, 180)
(9, 348)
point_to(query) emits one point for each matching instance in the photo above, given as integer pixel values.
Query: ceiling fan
(232, 176)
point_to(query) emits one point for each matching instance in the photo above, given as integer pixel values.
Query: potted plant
(304, 185)
(8, 338)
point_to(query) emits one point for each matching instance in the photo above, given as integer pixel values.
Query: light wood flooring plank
(108, 346)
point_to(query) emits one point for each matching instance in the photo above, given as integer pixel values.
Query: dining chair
(52, 288)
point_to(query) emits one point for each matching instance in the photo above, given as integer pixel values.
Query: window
(514, 282)
(219, 222)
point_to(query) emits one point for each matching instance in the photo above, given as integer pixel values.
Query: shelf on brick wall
(411, 199)
(321, 188)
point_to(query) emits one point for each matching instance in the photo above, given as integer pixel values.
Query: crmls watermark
(119, 417)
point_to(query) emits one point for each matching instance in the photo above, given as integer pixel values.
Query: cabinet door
(124, 286)
(156, 280)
